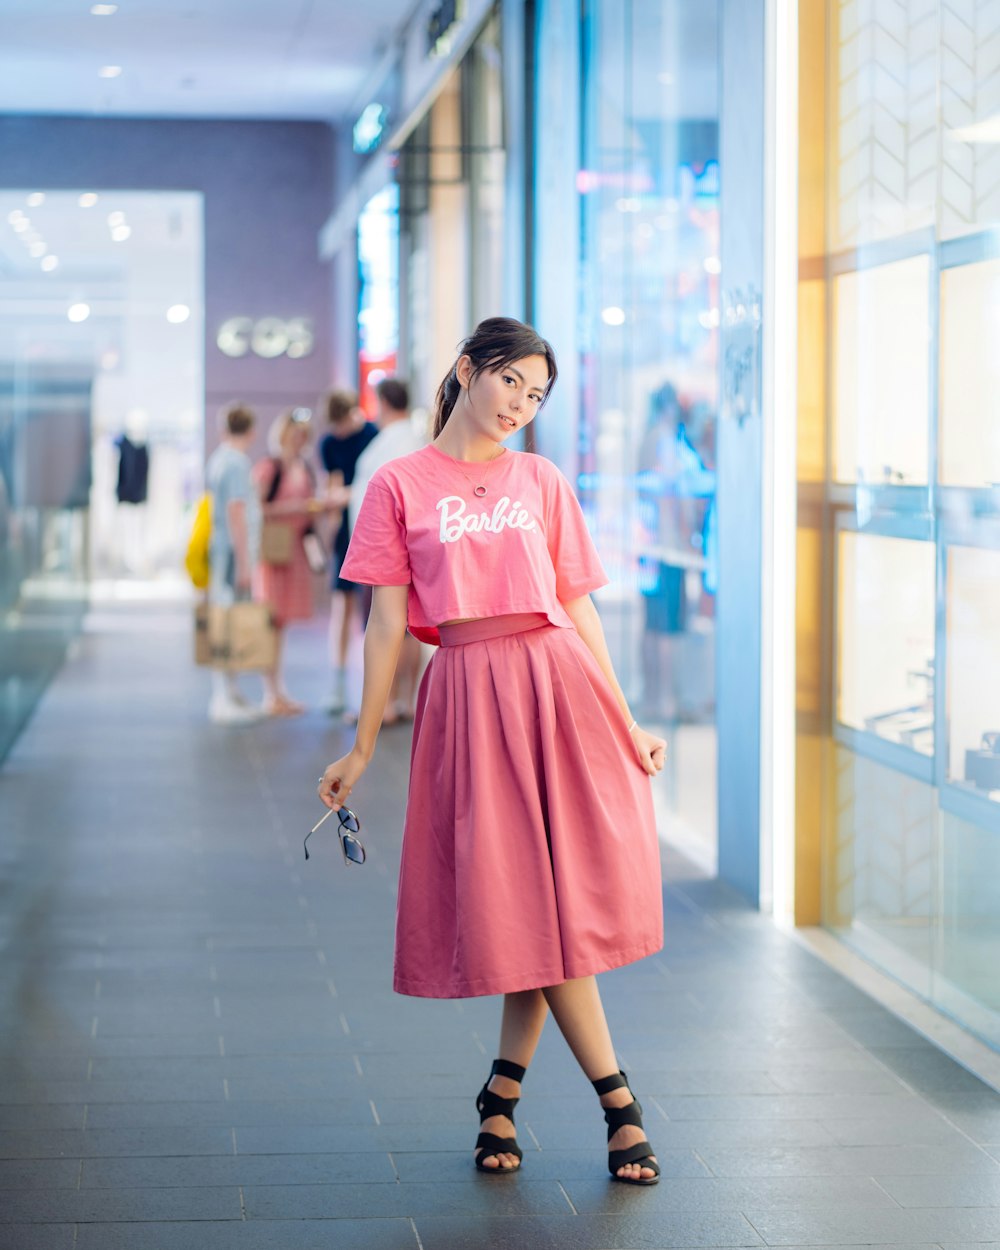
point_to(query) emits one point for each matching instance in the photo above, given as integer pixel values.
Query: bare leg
(524, 1015)
(579, 1013)
(276, 700)
(346, 625)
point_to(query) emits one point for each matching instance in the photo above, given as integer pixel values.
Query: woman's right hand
(339, 779)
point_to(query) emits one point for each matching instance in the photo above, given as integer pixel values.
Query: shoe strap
(488, 1104)
(642, 1153)
(607, 1083)
(504, 1067)
(616, 1117)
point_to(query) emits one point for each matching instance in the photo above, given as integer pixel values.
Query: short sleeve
(377, 554)
(578, 566)
(328, 453)
(234, 480)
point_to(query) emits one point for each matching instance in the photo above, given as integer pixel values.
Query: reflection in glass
(885, 638)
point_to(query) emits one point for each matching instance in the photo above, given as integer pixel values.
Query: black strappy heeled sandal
(616, 1117)
(488, 1103)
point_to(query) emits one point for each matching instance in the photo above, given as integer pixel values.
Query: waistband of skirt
(490, 627)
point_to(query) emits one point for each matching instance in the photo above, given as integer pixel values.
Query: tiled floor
(200, 1047)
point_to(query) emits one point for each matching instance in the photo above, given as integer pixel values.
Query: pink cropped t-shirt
(524, 547)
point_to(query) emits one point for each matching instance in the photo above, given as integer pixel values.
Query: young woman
(530, 858)
(287, 488)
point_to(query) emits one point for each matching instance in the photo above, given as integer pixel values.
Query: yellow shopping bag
(196, 556)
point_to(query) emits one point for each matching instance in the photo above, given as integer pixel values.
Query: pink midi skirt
(530, 853)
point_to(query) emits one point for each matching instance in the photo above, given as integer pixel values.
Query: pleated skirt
(530, 854)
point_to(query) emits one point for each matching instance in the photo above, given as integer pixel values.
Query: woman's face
(295, 438)
(504, 402)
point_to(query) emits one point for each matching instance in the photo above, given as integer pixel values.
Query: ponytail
(494, 344)
(445, 400)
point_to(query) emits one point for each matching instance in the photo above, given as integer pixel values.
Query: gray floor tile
(312, 1169)
(708, 1194)
(491, 1196)
(37, 1236)
(368, 1234)
(88, 1206)
(621, 1232)
(943, 1191)
(960, 1158)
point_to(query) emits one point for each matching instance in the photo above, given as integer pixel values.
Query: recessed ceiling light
(78, 312)
(49, 263)
(21, 225)
(613, 316)
(37, 249)
(712, 264)
(36, 199)
(87, 200)
(116, 219)
(104, 10)
(109, 71)
(178, 313)
(14, 216)
(121, 233)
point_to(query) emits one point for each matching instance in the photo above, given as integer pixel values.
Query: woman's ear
(463, 371)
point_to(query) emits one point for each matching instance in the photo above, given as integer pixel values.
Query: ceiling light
(78, 312)
(613, 316)
(49, 263)
(713, 264)
(104, 10)
(121, 233)
(37, 249)
(36, 199)
(178, 313)
(109, 71)
(116, 219)
(87, 200)
(14, 216)
(21, 225)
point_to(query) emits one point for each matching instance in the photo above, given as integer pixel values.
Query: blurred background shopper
(236, 524)
(397, 436)
(286, 483)
(348, 434)
(530, 854)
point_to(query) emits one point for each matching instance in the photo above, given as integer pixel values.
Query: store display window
(885, 638)
(970, 375)
(880, 374)
(973, 673)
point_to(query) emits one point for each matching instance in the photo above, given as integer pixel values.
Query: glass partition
(885, 637)
(970, 375)
(973, 645)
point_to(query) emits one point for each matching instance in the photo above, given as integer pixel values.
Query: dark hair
(339, 405)
(395, 393)
(239, 419)
(495, 342)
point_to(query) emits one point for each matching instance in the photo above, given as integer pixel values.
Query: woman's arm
(383, 638)
(584, 616)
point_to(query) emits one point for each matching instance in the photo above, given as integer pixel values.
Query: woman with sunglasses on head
(530, 858)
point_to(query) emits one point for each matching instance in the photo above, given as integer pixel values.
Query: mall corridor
(200, 1047)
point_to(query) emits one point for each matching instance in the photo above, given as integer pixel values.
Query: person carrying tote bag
(283, 578)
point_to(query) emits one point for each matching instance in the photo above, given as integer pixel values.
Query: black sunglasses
(351, 847)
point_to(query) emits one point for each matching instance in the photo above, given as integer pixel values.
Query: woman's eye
(507, 378)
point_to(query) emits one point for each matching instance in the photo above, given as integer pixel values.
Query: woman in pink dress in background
(287, 487)
(530, 856)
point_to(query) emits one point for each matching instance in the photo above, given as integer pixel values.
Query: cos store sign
(268, 337)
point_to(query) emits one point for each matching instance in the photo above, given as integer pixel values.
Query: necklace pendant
(480, 491)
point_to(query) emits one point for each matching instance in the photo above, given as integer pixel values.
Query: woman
(348, 435)
(530, 859)
(287, 489)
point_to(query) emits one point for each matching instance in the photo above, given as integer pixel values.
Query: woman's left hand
(652, 750)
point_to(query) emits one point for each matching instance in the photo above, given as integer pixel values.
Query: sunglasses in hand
(350, 845)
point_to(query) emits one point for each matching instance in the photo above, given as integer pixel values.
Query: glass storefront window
(970, 375)
(378, 314)
(973, 633)
(899, 576)
(885, 636)
(880, 373)
(649, 336)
